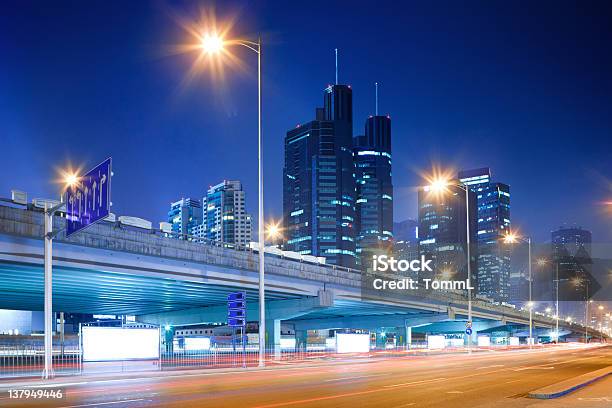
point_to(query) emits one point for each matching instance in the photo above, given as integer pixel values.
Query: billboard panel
(117, 343)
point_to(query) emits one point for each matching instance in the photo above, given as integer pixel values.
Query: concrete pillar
(301, 339)
(273, 335)
(408, 337)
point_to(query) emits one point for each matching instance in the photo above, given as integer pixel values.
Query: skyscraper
(319, 182)
(406, 239)
(184, 215)
(374, 205)
(443, 230)
(493, 257)
(225, 217)
(571, 254)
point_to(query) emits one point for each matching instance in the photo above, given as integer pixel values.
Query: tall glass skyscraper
(319, 182)
(374, 205)
(443, 231)
(185, 215)
(493, 261)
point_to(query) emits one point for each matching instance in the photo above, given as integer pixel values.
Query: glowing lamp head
(274, 230)
(71, 179)
(438, 185)
(510, 238)
(212, 44)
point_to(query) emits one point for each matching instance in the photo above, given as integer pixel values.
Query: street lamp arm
(251, 45)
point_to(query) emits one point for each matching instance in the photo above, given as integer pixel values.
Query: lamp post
(213, 44)
(509, 239)
(69, 180)
(440, 186)
(600, 308)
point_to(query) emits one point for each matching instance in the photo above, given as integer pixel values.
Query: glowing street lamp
(439, 185)
(68, 179)
(512, 238)
(213, 44)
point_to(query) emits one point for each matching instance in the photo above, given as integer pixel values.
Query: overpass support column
(408, 337)
(301, 339)
(273, 335)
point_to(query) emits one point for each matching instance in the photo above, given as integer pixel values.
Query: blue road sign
(236, 305)
(232, 322)
(241, 313)
(468, 331)
(236, 309)
(236, 296)
(89, 201)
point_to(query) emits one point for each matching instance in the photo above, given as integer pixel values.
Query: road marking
(513, 381)
(540, 367)
(405, 405)
(353, 378)
(491, 366)
(102, 403)
(414, 382)
(454, 392)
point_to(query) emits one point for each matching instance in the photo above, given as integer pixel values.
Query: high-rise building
(571, 254)
(493, 258)
(374, 204)
(443, 230)
(225, 216)
(406, 239)
(184, 215)
(319, 182)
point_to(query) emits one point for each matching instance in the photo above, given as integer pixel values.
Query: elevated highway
(109, 269)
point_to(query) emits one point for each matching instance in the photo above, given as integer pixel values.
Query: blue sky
(523, 88)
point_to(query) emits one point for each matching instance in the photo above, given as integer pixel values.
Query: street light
(601, 308)
(542, 262)
(68, 179)
(213, 44)
(511, 238)
(439, 185)
(577, 281)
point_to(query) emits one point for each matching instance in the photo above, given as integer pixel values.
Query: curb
(565, 387)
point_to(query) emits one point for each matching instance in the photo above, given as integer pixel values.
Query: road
(484, 379)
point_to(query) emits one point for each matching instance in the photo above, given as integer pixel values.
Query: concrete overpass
(109, 269)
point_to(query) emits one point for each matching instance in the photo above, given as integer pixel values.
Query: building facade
(225, 216)
(493, 214)
(374, 204)
(406, 239)
(184, 215)
(319, 182)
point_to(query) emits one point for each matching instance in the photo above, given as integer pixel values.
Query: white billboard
(436, 342)
(117, 343)
(197, 343)
(352, 343)
(484, 341)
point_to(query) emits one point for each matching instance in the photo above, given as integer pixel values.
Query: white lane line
(353, 378)
(491, 366)
(454, 392)
(540, 367)
(414, 382)
(513, 381)
(102, 403)
(405, 405)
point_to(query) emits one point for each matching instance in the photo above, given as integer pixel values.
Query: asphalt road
(484, 379)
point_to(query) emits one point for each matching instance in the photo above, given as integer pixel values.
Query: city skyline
(150, 120)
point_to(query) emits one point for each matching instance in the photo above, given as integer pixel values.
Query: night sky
(523, 88)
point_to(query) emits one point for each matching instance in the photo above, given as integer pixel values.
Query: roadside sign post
(86, 202)
(468, 330)
(236, 318)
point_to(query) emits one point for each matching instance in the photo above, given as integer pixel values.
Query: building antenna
(336, 66)
(376, 85)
